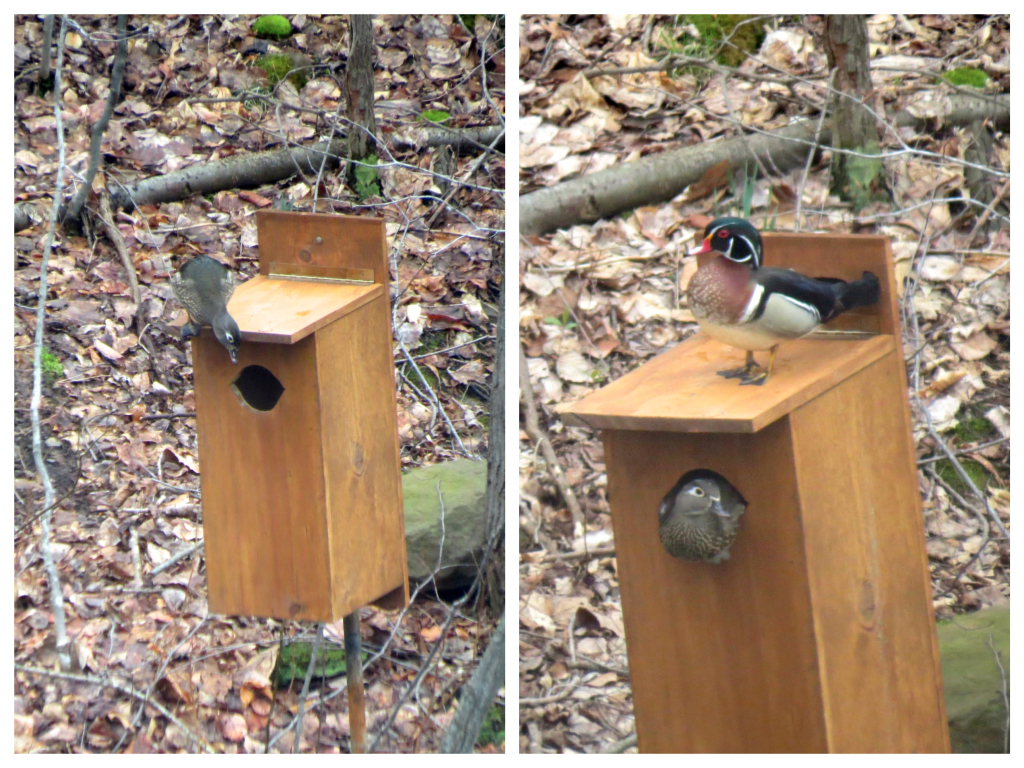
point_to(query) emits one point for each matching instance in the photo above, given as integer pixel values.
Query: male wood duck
(741, 303)
(203, 286)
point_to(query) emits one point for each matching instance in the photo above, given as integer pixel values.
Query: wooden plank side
(286, 311)
(868, 567)
(681, 391)
(318, 239)
(722, 657)
(843, 256)
(264, 520)
(361, 460)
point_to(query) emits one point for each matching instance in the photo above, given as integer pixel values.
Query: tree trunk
(74, 210)
(45, 81)
(359, 88)
(478, 694)
(856, 180)
(476, 697)
(496, 464)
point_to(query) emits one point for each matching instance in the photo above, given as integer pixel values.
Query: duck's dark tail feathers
(859, 293)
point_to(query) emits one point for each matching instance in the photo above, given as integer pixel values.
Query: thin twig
(989, 210)
(552, 557)
(483, 70)
(442, 204)
(622, 745)
(452, 349)
(1005, 693)
(106, 221)
(540, 701)
(533, 429)
(437, 403)
(177, 558)
(492, 541)
(810, 156)
(74, 209)
(743, 133)
(126, 689)
(56, 595)
(305, 688)
(145, 698)
(960, 470)
(572, 637)
(975, 449)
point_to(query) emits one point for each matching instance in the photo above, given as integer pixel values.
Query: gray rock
(463, 485)
(970, 675)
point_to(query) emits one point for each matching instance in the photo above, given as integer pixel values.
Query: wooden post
(354, 674)
(818, 634)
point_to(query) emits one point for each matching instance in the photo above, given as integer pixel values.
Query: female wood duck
(741, 303)
(203, 286)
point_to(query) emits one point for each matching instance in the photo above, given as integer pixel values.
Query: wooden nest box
(302, 498)
(818, 634)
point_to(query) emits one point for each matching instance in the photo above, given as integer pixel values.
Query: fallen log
(660, 177)
(243, 170)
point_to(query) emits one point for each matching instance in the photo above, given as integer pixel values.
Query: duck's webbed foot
(759, 377)
(756, 378)
(744, 372)
(188, 330)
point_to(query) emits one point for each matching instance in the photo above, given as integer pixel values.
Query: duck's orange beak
(704, 248)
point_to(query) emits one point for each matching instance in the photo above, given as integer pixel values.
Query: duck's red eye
(722, 233)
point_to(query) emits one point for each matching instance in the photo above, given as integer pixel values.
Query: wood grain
(262, 480)
(282, 311)
(817, 635)
(356, 242)
(868, 568)
(361, 462)
(302, 504)
(722, 658)
(681, 391)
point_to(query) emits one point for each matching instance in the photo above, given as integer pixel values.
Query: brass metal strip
(291, 271)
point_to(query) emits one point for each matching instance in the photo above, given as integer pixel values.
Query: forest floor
(596, 301)
(117, 414)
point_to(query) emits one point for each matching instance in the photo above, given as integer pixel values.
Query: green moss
(256, 104)
(860, 180)
(435, 115)
(713, 29)
(493, 729)
(468, 20)
(293, 662)
(968, 76)
(974, 429)
(367, 178)
(428, 374)
(277, 66)
(431, 341)
(277, 27)
(52, 367)
(951, 477)
(971, 678)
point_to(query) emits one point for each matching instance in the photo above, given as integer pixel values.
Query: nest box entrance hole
(257, 388)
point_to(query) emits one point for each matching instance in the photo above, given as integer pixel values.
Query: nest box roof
(282, 311)
(681, 391)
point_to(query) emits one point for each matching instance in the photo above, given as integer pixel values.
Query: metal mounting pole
(354, 674)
